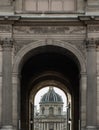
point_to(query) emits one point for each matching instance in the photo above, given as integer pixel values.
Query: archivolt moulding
(21, 55)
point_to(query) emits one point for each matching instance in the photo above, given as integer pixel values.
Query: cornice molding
(49, 18)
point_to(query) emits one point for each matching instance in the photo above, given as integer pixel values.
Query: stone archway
(55, 83)
(25, 53)
(20, 57)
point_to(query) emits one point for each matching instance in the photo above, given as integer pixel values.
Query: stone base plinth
(7, 128)
(91, 128)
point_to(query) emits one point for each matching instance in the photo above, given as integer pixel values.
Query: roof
(51, 97)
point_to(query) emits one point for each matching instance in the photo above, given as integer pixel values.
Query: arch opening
(49, 66)
(52, 108)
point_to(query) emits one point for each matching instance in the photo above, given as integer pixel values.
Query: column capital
(91, 43)
(83, 73)
(15, 74)
(7, 42)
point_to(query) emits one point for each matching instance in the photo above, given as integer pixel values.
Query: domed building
(51, 116)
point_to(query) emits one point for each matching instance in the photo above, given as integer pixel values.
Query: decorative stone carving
(49, 41)
(19, 44)
(7, 42)
(5, 28)
(78, 44)
(49, 29)
(93, 28)
(26, 31)
(91, 43)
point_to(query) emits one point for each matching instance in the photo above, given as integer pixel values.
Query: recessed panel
(30, 5)
(56, 5)
(68, 5)
(42, 5)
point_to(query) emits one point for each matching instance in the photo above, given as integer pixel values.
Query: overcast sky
(44, 90)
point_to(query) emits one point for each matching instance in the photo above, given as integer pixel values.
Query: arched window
(51, 111)
(43, 111)
(59, 111)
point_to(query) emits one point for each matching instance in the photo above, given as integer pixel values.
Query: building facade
(49, 43)
(50, 116)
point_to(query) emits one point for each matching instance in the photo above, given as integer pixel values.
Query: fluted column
(7, 45)
(91, 86)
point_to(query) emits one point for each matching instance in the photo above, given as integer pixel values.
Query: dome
(51, 96)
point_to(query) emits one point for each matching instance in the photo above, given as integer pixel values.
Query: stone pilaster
(0, 83)
(83, 88)
(16, 100)
(98, 83)
(91, 106)
(7, 45)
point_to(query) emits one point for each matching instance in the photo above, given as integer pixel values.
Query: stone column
(0, 83)
(54, 126)
(7, 84)
(16, 100)
(47, 126)
(98, 84)
(83, 89)
(60, 126)
(91, 86)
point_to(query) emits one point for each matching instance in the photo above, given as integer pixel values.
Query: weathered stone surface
(5, 2)
(91, 81)
(7, 83)
(49, 30)
(37, 23)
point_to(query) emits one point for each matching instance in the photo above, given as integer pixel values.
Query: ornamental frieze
(5, 29)
(93, 28)
(49, 30)
(43, 30)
